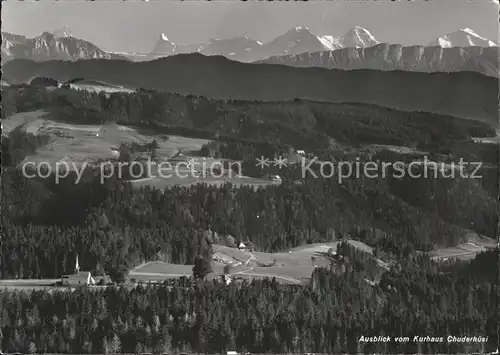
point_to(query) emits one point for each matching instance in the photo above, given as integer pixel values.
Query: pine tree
(87, 346)
(32, 348)
(105, 346)
(115, 344)
(138, 349)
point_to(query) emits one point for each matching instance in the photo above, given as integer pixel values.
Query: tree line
(116, 225)
(328, 315)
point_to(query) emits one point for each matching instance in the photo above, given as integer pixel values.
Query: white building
(82, 278)
(276, 178)
(79, 278)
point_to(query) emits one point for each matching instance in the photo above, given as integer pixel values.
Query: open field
(20, 119)
(465, 251)
(161, 271)
(293, 267)
(27, 284)
(159, 267)
(396, 149)
(89, 143)
(77, 145)
(250, 275)
(186, 170)
(490, 140)
(166, 182)
(98, 86)
(25, 288)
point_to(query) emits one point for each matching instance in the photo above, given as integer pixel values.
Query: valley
(249, 178)
(68, 140)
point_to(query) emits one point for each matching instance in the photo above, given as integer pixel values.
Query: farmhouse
(242, 247)
(275, 178)
(226, 279)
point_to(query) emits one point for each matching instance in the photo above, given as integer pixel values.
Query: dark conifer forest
(113, 227)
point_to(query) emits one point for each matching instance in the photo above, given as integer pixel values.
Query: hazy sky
(136, 25)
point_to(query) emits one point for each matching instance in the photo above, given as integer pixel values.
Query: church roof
(80, 277)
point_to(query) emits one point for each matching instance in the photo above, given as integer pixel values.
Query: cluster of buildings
(79, 278)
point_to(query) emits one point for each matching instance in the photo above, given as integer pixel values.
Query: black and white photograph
(249, 177)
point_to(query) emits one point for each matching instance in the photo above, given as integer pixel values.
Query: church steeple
(77, 265)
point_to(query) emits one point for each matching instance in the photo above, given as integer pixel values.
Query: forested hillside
(327, 316)
(302, 123)
(463, 94)
(113, 226)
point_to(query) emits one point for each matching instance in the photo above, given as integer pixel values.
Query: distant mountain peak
(464, 37)
(357, 37)
(301, 28)
(296, 40)
(298, 32)
(63, 32)
(46, 35)
(59, 45)
(165, 47)
(357, 29)
(470, 31)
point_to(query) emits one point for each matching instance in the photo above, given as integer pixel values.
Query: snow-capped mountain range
(356, 49)
(299, 41)
(462, 38)
(357, 37)
(58, 45)
(165, 45)
(296, 40)
(462, 50)
(386, 56)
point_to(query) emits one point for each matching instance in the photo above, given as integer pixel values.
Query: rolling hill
(461, 94)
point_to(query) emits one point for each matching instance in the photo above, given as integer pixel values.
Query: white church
(79, 278)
